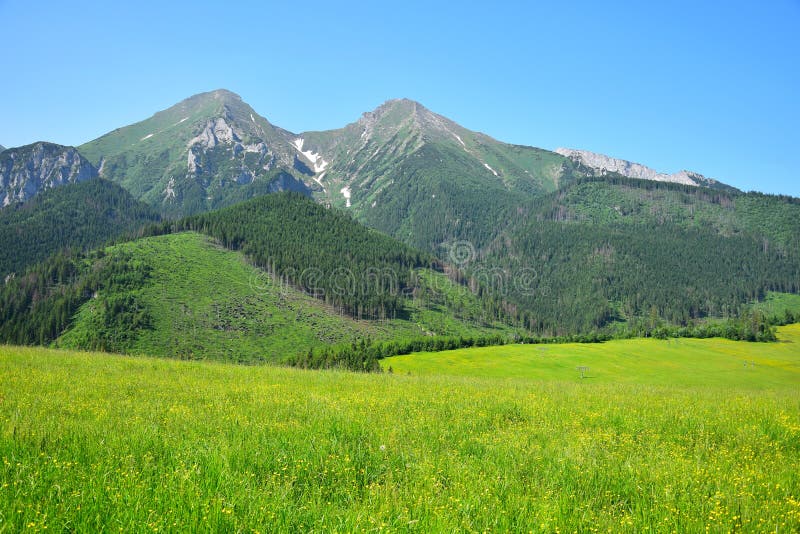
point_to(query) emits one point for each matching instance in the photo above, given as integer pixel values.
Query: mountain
(601, 164)
(27, 170)
(249, 290)
(80, 216)
(423, 178)
(2, 148)
(205, 152)
(556, 243)
(401, 168)
(393, 167)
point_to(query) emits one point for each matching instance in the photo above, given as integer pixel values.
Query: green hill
(79, 216)
(632, 202)
(183, 296)
(301, 277)
(204, 302)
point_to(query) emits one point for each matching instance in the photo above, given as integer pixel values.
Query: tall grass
(91, 442)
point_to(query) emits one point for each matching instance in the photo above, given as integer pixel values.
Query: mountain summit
(213, 149)
(402, 166)
(206, 151)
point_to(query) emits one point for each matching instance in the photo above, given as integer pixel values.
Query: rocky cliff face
(602, 164)
(26, 170)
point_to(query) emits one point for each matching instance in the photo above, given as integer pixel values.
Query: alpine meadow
(357, 313)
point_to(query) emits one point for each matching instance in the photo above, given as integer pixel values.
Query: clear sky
(708, 86)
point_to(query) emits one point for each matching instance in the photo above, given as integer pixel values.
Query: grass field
(674, 362)
(93, 442)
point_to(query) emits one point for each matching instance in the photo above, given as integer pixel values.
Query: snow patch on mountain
(318, 163)
(148, 136)
(491, 169)
(346, 194)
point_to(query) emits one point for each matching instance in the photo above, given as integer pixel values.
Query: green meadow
(659, 437)
(670, 362)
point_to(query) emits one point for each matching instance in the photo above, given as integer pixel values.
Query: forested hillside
(610, 251)
(322, 251)
(79, 216)
(326, 281)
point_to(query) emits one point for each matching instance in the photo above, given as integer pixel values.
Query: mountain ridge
(194, 155)
(602, 164)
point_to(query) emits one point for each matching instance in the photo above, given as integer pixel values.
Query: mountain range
(603, 164)
(213, 149)
(551, 243)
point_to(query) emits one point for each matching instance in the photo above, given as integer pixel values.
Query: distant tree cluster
(364, 355)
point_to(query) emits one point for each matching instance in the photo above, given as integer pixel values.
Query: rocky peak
(602, 164)
(26, 170)
(215, 131)
(397, 115)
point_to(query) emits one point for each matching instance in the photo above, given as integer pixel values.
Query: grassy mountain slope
(402, 164)
(183, 296)
(632, 202)
(326, 253)
(180, 295)
(206, 302)
(208, 151)
(81, 216)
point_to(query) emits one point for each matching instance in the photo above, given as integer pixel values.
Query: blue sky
(712, 87)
